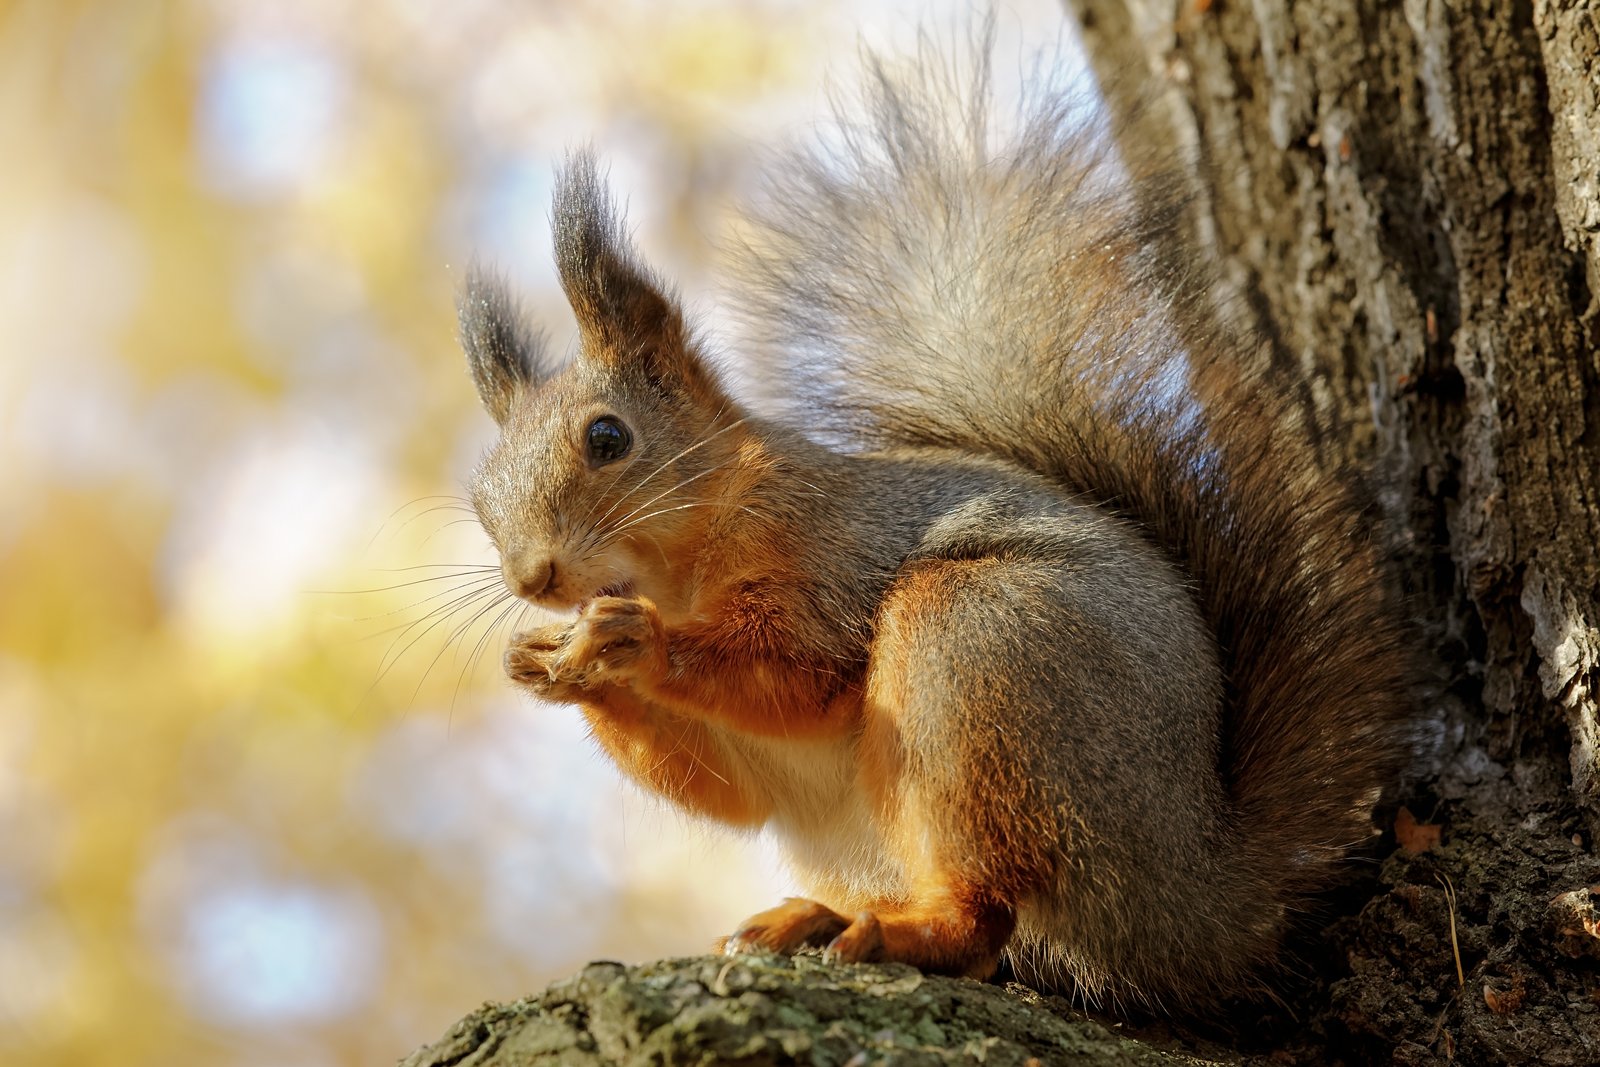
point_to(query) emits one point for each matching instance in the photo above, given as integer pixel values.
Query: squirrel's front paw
(533, 659)
(616, 640)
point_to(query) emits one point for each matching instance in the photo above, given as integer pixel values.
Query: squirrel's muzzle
(530, 577)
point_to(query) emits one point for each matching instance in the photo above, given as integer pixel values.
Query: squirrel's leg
(958, 756)
(975, 752)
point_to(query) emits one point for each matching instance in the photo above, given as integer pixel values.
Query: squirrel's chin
(614, 589)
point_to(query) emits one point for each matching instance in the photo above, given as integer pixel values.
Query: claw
(795, 924)
(861, 942)
(745, 939)
(522, 667)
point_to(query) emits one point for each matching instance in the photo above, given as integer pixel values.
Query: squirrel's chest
(820, 814)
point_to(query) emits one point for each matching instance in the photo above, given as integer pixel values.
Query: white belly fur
(821, 816)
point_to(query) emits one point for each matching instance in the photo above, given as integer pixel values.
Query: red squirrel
(1029, 629)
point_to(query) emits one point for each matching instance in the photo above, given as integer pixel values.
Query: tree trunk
(1408, 198)
(1404, 199)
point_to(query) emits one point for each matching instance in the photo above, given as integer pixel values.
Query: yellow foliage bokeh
(257, 804)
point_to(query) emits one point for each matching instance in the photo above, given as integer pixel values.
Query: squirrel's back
(927, 282)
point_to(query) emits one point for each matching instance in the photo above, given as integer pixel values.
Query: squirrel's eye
(609, 439)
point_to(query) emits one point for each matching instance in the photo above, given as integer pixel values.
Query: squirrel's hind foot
(959, 943)
(795, 924)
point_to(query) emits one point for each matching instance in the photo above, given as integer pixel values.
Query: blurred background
(264, 797)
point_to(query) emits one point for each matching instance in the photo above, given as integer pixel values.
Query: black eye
(609, 439)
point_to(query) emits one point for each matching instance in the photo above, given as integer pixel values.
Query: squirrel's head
(605, 467)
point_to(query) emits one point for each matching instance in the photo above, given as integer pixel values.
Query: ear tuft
(618, 302)
(503, 352)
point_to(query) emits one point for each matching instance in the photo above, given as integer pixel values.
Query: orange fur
(673, 756)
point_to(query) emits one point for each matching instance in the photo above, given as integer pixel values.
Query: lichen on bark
(755, 1010)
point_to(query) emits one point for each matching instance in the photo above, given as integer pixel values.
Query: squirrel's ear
(624, 313)
(503, 353)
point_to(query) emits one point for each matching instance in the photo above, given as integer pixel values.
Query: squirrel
(1033, 628)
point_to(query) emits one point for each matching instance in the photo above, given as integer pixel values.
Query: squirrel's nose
(530, 580)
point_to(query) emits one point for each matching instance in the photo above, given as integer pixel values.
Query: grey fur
(503, 352)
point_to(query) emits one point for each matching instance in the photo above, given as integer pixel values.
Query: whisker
(402, 626)
(401, 585)
(623, 523)
(816, 490)
(691, 504)
(453, 636)
(386, 631)
(665, 563)
(453, 522)
(478, 647)
(457, 502)
(694, 755)
(623, 469)
(615, 475)
(477, 584)
(599, 527)
(426, 622)
(439, 615)
(646, 479)
(436, 566)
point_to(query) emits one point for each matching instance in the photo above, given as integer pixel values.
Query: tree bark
(1405, 199)
(714, 1012)
(1407, 196)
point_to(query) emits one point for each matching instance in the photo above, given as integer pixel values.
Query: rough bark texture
(1408, 198)
(1404, 198)
(767, 1010)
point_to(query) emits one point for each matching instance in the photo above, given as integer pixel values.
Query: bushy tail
(925, 281)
